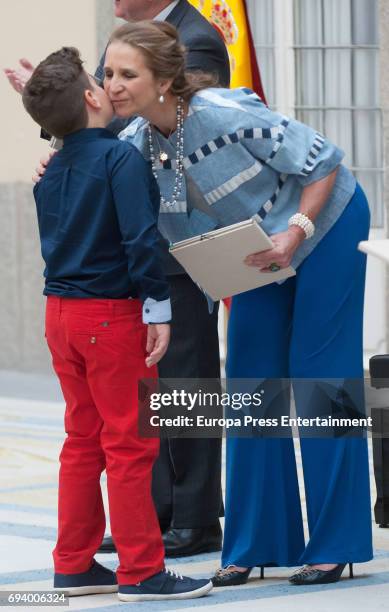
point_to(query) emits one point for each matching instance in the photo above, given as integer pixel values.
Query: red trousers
(98, 350)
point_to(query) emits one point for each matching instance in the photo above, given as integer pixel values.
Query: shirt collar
(87, 134)
(166, 11)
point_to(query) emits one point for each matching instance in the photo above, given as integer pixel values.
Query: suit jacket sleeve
(206, 49)
(209, 55)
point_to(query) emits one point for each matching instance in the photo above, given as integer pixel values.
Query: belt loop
(60, 308)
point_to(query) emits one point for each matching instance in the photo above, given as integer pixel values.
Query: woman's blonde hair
(164, 55)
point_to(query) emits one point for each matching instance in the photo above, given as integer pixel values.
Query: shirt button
(93, 340)
(147, 310)
(105, 324)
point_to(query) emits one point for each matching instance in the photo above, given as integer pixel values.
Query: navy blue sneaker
(97, 579)
(164, 585)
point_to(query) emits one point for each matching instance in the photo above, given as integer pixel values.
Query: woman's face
(128, 82)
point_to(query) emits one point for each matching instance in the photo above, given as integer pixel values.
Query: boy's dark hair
(54, 95)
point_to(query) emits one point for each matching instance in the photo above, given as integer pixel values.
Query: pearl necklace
(163, 156)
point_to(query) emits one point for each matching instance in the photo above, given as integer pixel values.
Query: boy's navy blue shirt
(98, 205)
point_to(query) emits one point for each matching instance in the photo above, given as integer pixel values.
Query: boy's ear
(91, 99)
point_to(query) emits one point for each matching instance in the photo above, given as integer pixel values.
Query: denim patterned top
(246, 161)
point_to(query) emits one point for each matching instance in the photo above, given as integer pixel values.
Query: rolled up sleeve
(289, 146)
(304, 152)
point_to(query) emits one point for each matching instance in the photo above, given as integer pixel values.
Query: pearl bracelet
(304, 222)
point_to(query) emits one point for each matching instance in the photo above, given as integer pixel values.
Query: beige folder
(215, 260)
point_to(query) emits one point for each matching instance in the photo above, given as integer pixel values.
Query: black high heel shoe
(227, 577)
(309, 575)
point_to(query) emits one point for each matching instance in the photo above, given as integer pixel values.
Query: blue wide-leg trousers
(310, 326)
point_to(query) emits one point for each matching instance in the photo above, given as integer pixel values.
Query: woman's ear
(164, 86)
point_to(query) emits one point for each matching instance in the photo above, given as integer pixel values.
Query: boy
(97, 210)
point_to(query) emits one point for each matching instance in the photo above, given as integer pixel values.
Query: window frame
(285, 51)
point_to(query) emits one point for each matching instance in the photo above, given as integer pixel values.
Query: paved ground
(30, 438)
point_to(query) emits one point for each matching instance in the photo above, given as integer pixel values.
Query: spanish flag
(230, 19)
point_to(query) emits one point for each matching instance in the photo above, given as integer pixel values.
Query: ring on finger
(274, 267)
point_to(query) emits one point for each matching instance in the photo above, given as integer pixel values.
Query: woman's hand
(285, 245)
(18, 77)
(43, 163)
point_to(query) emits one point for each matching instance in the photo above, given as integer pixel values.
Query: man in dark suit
(187, 475)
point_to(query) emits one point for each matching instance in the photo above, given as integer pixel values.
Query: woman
(220, 157)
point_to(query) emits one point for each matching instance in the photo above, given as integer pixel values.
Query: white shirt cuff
(156, 312)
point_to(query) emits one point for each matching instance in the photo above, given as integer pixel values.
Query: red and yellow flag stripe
(230, 19)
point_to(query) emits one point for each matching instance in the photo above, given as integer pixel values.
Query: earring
(161, 99)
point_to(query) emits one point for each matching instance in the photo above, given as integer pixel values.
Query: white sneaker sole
(88, 590)
(149, 597)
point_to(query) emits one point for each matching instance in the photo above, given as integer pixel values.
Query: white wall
(30, 28)
(34, 28)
